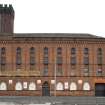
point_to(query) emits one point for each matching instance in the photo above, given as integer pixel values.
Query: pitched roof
(51, 35)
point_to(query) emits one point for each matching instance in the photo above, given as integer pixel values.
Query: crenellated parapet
(6, 9)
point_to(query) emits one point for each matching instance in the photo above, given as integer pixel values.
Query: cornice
(52, 40)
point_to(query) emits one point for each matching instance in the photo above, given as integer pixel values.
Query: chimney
(6, 18)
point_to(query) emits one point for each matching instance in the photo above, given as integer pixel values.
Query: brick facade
(26, 82)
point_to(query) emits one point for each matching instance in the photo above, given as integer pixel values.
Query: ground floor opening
(45, 89)
(100, 89)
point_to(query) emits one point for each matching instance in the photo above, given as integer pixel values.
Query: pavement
(61, 100)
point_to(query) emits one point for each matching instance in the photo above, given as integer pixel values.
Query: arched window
(73, 58)
(99, 51)
(59, 86)
(73, 86)
(18, 56)
(86, 60)
(18, 86)
(73, 50)
(45, 61)
(99, 56)
(32, 50)
(32, 86)
(59, 51)
(86, 57)
(3, 51)
(45, 70)
(45, 56)
(45, 51)
(59, 71)
(59, 61)
(99, 62)
(86, 86)
(32, 56)
(3, 58)
(3, 86)
(86, 50)
(18, 50)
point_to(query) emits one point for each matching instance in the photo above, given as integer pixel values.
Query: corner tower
(6, 19)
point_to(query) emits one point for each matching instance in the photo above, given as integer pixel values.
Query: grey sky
(64, 16)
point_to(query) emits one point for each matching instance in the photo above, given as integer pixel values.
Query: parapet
(6, 9)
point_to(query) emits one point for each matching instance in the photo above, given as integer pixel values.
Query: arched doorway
(100, 89)
(45, 89)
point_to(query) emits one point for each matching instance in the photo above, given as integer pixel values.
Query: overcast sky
(59, 16)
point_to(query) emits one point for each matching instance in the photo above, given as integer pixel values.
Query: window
(59, 86)
(45, 71)
(86, 51)
(32, 51)
(59, 71)
(59, 51)
(99, 60)
(3, 58)
(3, 86)
(86, 86)
(45, 57)
(99, 56)
(73, 56)
(32, 60)
(18, 56)
(73, 60)
(45, 51)
(73, 51)
(3, 51)
(73, 86)
(86, 70)
(59, 60)
(99, 70)
(86, 57)
(32, 56)
(86, 60)
(45, 61)
(18, 86)
(3, 67)
(73, 70)
(99, 51)
(32, 86)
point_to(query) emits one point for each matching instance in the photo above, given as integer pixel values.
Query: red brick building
(49, 64)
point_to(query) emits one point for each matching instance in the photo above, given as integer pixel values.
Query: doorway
(45, 89)
(100, 89)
